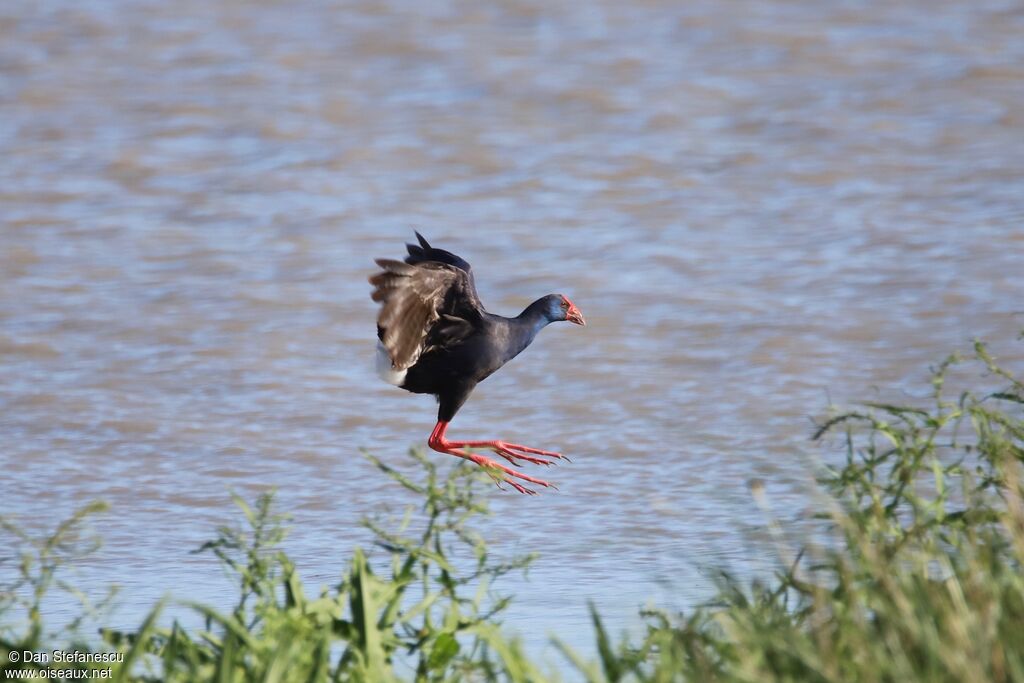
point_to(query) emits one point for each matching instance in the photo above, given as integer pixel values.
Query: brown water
(758, 206)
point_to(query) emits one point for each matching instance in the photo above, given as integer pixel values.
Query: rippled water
(758, 206)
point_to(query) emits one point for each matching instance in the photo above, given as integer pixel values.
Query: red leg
(510, 451)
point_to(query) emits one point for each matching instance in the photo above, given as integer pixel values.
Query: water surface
(759, 206)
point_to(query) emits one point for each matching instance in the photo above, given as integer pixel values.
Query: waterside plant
(913, 572)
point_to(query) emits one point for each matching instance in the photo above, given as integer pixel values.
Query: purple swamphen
(436, 338)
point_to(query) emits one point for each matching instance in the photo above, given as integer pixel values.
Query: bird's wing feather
(429, 302)
(423, 253)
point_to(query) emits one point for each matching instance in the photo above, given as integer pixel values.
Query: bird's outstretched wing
(423, 253)
(424, 304)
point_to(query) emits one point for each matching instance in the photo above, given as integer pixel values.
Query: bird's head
(566, 310)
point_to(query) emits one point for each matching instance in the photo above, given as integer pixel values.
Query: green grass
(913, 573)
(917, 573)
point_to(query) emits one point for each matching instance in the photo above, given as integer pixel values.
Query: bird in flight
(434, 337)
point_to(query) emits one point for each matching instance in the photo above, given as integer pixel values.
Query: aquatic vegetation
(37, 565)
(913, 573)
(426, 618)
(917, 575)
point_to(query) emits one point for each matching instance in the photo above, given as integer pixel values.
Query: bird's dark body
(451, 371)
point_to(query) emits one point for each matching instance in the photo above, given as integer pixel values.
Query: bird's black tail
(424, 252)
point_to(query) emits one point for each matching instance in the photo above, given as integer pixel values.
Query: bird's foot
(502, 474)
(498, 472)
(514, 452)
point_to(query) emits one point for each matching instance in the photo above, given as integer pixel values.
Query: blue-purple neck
(524, 327)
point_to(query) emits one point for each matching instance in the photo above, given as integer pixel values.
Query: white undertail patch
(384, 368)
